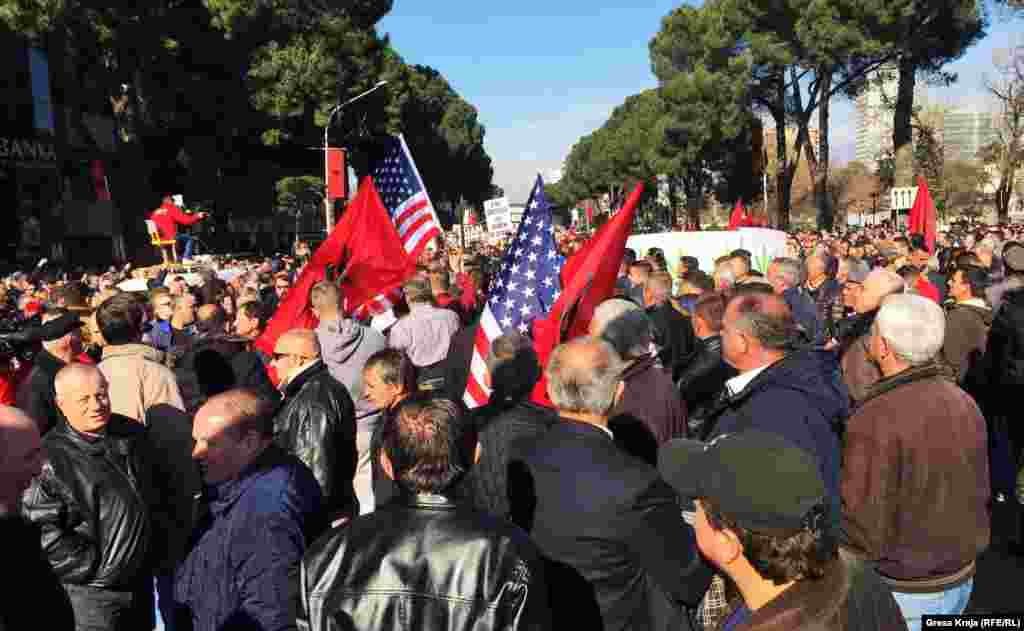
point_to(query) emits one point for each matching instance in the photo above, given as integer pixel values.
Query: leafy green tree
(922, 37)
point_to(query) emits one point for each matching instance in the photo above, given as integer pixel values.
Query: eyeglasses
(277, 356)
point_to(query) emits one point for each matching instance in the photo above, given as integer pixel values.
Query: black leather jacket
(215, 363)
(423, 562)
(317, 424)
(90, 505)
(701, 381)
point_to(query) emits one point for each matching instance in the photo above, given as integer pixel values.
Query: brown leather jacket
(915, 483)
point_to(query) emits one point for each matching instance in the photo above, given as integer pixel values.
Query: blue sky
(544, 73)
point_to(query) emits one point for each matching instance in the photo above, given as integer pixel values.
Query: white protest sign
(499, 215)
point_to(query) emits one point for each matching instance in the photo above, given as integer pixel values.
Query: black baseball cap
(759, 480)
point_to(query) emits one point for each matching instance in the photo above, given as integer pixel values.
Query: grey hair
(773, 329)
(584, 387)
(914, 326)
(630, 334)
(792, 270)
(610, 310)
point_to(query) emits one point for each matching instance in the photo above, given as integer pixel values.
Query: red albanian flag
(922, 215)
(366, 246)
(588, 279)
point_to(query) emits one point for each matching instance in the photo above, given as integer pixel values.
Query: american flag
(524, 289)
(404, 195)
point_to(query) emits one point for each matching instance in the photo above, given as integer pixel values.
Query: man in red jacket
(168, 216)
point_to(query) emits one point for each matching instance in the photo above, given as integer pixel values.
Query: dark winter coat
(504, 429)
(860, 374)
(805, 312)
(240, 575)
(1004, 353)
(317, 424)
(91, 505)
(915, 477)
(618, 553)
(673, 334)
(216, 363)
(424, 562)
(35, 598)
(456, 364)
(824, 297)
(802, 398)
(36, 395)
(176, 482)
(967, 329)
(651, 397)
(701, 380)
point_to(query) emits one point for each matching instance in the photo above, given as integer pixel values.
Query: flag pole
(328, 207)
(462, 223)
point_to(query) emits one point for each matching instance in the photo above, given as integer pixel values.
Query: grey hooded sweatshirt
(345, 345)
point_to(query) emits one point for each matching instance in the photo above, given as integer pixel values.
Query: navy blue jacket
(617, 552)
(805, 312)
(241, 573)
(803, 398)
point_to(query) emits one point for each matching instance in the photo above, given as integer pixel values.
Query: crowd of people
(820, 445)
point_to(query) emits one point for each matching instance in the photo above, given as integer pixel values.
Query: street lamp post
(328, 208)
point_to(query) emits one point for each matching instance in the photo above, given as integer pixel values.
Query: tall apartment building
(875, 114)
(965, 132)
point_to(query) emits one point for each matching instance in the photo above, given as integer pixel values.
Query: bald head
(584, 376)
(230, 431)
(82, 397)
(879, 284)
(70, 377)
(20, 456)
(301, 342)
(294, 351)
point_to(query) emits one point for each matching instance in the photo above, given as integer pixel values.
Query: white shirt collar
(739, 382)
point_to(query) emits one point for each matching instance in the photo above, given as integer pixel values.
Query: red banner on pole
(336, 179)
